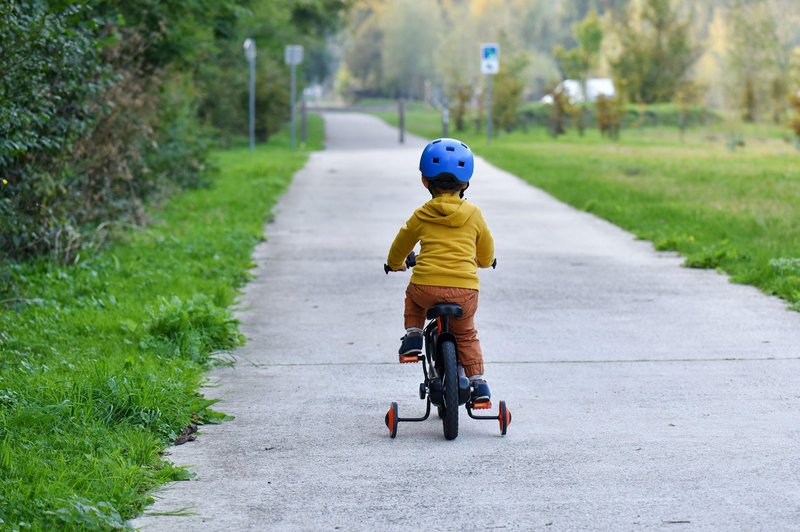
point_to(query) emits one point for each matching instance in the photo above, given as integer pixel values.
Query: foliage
(223, 75)
(653, 43)
(609, 116)
(51, 72)
(576, 63)
(407, 45)
(794, 100)
(559, 110)
(100, 361)
(508, 87)
(749, 101)
(759, 56)
(107, 105)
(462, 95)
(655, 55)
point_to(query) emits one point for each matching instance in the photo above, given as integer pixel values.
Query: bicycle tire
(450, 381)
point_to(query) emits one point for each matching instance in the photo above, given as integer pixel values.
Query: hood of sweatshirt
(447, 209)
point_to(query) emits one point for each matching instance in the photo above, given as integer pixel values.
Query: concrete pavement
(644, 395)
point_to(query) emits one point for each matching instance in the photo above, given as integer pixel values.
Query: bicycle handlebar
(411, 261)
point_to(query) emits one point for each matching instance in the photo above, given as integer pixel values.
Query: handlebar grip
(411, 261)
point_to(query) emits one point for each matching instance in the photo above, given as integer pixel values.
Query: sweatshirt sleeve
(484, 245)
(403, 244)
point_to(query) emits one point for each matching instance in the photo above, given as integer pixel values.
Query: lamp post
(293, 56)
(250, 53)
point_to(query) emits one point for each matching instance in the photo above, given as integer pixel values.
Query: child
(455, 242)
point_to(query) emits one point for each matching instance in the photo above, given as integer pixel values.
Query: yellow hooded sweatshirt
(454, 239)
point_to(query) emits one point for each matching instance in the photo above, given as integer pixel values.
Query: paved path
(644, 395)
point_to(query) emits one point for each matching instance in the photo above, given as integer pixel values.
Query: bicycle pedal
(483, 405)
(409, 359)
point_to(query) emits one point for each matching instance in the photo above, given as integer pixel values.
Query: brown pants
(421, 297)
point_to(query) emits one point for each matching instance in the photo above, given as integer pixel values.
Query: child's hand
(387, 269)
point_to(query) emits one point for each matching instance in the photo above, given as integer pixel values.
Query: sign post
(401, 111)
(293, 56)
(250, 53)
(490, 65)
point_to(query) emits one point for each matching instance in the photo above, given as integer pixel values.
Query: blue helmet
(447, 157)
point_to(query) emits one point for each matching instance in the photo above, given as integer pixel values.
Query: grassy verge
(736, 211)
(100, 362)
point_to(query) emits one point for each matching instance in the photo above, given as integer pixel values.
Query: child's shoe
(480, 390)
(412, 342)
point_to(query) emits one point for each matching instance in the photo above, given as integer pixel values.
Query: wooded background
(736, 56)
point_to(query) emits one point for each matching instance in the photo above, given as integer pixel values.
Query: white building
(594, 88)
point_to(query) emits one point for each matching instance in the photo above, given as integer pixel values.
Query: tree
(410, 42)
(794, 101)
(508, 87)
(655, 53)
(363, 51)
(759, 57)
(577, 63)
(609, 116)
(455, 61)
(558, 111)
(105, 103)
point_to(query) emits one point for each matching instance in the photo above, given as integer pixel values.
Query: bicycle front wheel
(450, 381)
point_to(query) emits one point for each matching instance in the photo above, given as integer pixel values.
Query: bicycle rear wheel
(450, 380)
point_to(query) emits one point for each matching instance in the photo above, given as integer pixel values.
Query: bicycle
(445, 384)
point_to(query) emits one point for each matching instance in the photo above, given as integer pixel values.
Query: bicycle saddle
(445, 309)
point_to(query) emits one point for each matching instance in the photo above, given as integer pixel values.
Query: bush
(540, 114)
(85, 125)
(794, 101)
(101, 105)
(44, 109)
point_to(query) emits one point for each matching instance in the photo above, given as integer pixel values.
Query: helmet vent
(461, 164)
(450, 148)
(435, 160)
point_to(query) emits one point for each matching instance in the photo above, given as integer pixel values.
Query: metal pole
(445, 121)
(401, 109)
(303, 119)
(252, 103)
(489, 111)
(249, 46)
(293, 88)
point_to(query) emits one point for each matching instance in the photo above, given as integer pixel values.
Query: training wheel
(504, 417)
(391, 420)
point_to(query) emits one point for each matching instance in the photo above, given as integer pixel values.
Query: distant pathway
(644, 395)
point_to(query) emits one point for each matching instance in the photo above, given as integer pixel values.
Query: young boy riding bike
(455, 241)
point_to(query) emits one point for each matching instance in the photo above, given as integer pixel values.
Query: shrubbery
(105, 104)
(539, 114)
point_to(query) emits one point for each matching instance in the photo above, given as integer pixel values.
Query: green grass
(737, 211)
(100, 362)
